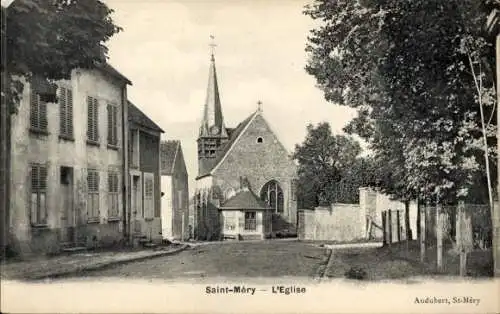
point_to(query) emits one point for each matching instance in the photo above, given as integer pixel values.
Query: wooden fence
(465, 226)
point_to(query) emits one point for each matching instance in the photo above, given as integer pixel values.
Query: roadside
(400, 262)
(54, 266)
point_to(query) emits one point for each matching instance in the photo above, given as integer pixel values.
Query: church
(245, 188)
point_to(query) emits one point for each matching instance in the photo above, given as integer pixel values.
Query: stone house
(174, 186)
(250, 152)
(144, 170)
(68, 162)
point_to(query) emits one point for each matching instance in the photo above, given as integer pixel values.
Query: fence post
(439, 236)
(422, 232)
(398, 225)
(389, 222)
(384, 228)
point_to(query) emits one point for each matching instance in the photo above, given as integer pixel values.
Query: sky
(164, 50)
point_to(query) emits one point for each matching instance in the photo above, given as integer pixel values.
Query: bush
(355, 273)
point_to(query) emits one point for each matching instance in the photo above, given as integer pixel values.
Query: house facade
(174, 186)
(250, 153)
(68, 163)
(144, 177)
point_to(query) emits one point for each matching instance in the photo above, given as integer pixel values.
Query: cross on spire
(212, 46)
(259, 105)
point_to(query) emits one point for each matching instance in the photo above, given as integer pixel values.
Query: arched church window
(272, 195)
(260, 140)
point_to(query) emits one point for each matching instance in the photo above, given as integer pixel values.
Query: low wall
(340, 222)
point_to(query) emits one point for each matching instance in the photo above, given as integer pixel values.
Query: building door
(136, 203)
(66, 205)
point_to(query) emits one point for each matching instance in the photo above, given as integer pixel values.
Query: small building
(245, 217)
(174, 186)
(144, 165)
(68, 163)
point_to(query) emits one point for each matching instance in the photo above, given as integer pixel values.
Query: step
(150, 245)
(74, 249)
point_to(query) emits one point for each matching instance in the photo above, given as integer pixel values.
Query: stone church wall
(259, 161)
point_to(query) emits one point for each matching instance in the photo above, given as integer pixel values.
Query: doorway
(136, 201)
(66, 205)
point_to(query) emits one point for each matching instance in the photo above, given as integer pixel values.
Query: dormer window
(260, 140)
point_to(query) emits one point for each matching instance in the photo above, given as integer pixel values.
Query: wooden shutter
(148, 195)
(112, 124)
(69, 112)
(34, 110)
(43, 114)
(96, 120)
(62, 111)
(90, 117)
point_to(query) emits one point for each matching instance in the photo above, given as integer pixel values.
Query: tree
(323, 159)
(51, 38)
(44, 39)
(403, 65)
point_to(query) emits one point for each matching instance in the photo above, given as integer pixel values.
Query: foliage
(405, 66)
(50, 38)
(330, 169)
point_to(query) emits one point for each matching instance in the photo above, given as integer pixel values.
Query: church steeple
(212, 124)
(213, 133)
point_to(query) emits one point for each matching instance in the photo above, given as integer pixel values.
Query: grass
(396, 262)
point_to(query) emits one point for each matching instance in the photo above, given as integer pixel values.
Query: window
(229, 220)
(38, 194)
(113, 188)
(272, 195)
(250, 221)
(66, 112)
(112, 125)
(93, 194)
(260, 140)
(38, 113)
(92, 120)
(148, 209)
(134, 148)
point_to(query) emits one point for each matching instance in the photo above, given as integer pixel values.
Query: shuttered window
(92, 194)
(112, 125)
(148, 210)
(92, 120)
(38, 194)
(38, 112)
(66, 112)
(113, 195)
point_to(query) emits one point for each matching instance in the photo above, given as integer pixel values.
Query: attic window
(260, 140)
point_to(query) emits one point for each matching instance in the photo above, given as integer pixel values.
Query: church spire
(212, 124)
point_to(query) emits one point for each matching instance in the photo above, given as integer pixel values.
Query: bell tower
(213, 133)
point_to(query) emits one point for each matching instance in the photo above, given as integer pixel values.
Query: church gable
(256, 154)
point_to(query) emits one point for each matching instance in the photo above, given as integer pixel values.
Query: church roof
(137, 116)
(168, 154)
(232, 139)
(212, 111)
(244, 199)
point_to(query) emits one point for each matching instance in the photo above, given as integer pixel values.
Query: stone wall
(348, 222)
(340, 222)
